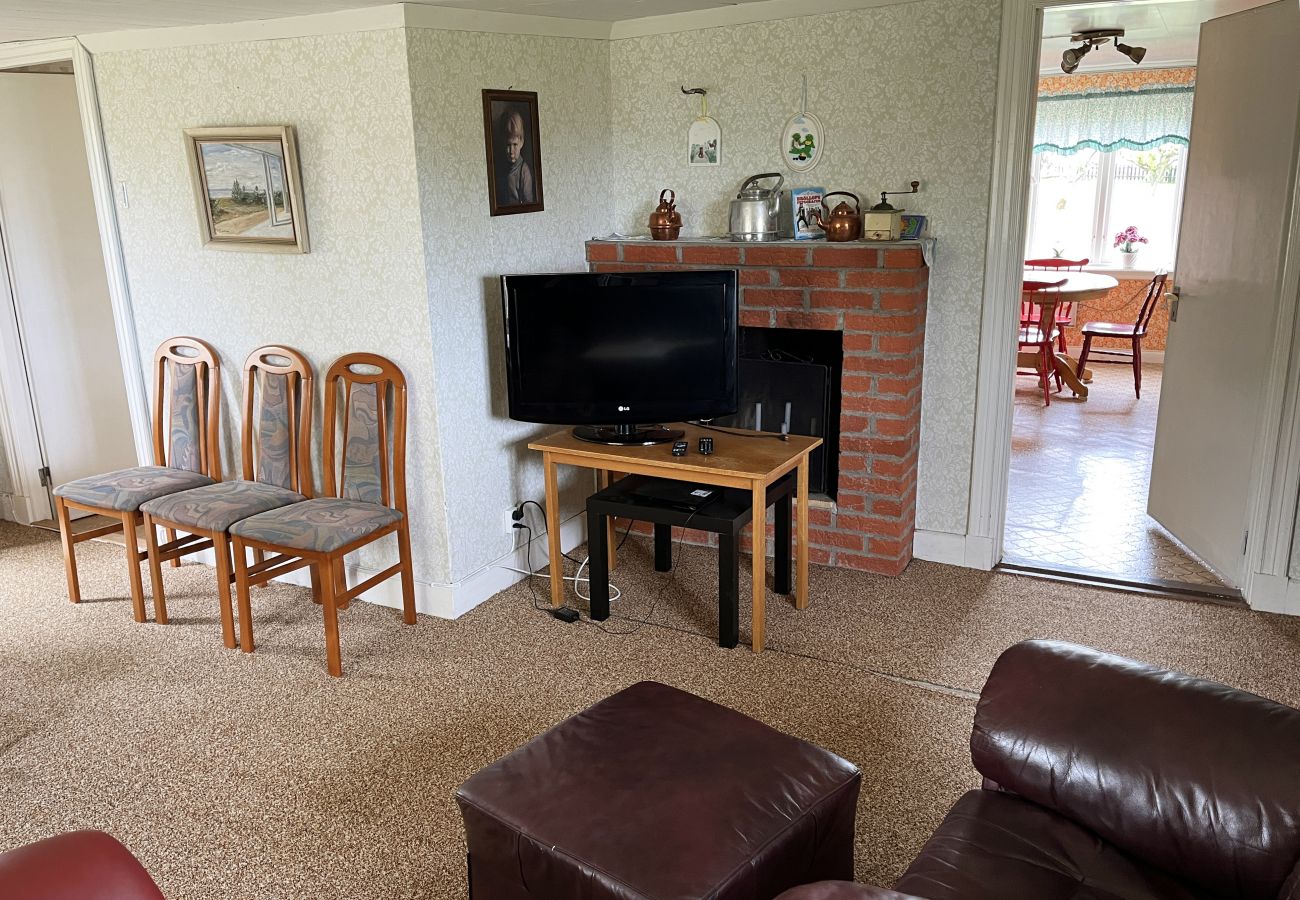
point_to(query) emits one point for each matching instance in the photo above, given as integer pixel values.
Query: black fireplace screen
(787, 378)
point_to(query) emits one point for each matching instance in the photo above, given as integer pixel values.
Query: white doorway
(71, 389)
(1255, 399)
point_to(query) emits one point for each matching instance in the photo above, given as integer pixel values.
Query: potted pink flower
(1127, 240)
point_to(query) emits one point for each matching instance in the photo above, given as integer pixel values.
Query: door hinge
(44, 473)
(1244, 541)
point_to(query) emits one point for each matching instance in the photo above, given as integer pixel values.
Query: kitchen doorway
(1110, 160)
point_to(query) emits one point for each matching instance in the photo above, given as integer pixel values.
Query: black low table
(724, 515)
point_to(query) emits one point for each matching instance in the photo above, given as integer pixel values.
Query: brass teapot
(842, 223)
(666, 221)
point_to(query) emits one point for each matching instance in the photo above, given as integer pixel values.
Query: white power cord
(576, 579)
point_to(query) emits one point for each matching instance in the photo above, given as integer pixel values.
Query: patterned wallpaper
(362, 287)
(898, 103)
(488, 466)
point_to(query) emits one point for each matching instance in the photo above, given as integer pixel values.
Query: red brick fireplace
(875, 294)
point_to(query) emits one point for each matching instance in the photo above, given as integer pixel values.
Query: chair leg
(69, 555)
(171, 536)
(315, 584)
(1137, 367)
(155, 570)
(221, 547)
(1083, 354)
(259, 557)
(408, 575)
(133, 565)
(333, 653)
(340, 583)
(1046, 353)
(242, 595)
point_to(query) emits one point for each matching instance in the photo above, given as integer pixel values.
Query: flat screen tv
(618, 354)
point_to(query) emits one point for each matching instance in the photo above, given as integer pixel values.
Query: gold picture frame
(248, 188)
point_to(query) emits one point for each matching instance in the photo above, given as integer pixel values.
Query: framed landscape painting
(248, 189)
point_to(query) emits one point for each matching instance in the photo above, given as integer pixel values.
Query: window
(1079, 201)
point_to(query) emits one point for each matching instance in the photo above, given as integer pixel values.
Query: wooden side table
(748, 460)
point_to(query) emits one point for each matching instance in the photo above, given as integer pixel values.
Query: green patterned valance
(1133, 120)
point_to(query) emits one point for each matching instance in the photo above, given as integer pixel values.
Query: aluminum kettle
(754, 212)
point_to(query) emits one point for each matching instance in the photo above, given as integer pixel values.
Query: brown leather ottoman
(657, 793)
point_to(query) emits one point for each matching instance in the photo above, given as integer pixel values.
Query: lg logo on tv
(625, 409)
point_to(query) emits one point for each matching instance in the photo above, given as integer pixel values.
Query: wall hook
(704, 99)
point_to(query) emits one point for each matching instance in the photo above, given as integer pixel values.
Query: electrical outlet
(511, 519)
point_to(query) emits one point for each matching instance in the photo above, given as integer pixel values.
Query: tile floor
(1079, 478)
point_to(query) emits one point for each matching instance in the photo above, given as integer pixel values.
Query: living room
(227, 773)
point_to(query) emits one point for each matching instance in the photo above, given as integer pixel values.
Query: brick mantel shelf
(875, 293)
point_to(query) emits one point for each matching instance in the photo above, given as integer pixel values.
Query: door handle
(1172, 297)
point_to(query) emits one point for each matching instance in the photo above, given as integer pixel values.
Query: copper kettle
(666, 221)
(842, 223)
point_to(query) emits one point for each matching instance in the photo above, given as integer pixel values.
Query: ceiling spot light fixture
(1134, 53)
(1071, 58)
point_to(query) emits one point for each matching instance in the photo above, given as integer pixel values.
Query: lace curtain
(1132, 120)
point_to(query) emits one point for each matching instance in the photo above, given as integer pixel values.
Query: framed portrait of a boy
(514, 152)
(248, 189)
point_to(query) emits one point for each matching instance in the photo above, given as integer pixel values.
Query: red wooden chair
(1032, 334)
(1131, 333)
(1065, 310)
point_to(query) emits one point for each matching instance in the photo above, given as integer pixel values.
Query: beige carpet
(240, 776)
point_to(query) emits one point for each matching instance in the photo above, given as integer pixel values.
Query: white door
(1235, 219)
(60, 291)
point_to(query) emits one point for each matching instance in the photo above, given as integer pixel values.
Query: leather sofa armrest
(842, 890)
(79, 865)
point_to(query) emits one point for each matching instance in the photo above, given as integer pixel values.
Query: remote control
(706, 445)
(679, 448)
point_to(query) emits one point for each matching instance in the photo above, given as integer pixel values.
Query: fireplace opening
(789, 381)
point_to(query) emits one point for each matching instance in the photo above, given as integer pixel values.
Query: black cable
(742, 434)
(528, 560)
(672, 574)
(541, 509)
(868, 670)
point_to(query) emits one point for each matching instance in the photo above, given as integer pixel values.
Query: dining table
(1079, 288)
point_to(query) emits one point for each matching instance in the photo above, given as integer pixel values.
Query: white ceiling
(29, 19)
(1169, 29)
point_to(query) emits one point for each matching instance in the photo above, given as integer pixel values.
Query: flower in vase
(1128, 239)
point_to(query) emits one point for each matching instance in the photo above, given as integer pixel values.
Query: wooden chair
(187, 399)
(276, 473)
(364, 500)
(1065, 309)
(1033, 335)
(1132, 333)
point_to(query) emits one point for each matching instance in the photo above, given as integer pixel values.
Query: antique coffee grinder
(883, 222)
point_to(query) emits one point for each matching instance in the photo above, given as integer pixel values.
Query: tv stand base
(628, 435)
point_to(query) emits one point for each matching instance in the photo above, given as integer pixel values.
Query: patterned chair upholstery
(323, 524)
(187, 406)
(276, 434)
(327, 523)
(365, 500)
(126, 490)
(218, 506)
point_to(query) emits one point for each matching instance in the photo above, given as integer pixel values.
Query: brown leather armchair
(79, 865)
(1109, 779)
